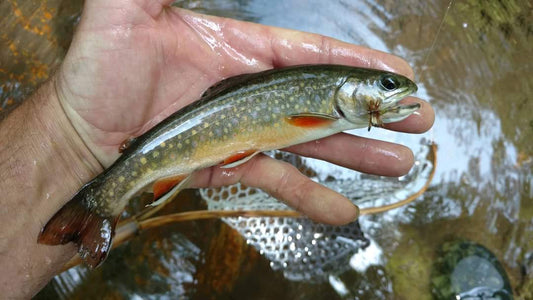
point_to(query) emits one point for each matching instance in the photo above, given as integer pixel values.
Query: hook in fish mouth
(377, 117)
(388, 110)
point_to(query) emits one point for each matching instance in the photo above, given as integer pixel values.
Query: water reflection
(477, 76)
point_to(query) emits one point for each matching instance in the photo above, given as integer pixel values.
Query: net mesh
(302, 249)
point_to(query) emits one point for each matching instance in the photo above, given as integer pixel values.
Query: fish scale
(233, 120)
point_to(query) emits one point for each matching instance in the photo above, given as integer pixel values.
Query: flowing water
(473, 62)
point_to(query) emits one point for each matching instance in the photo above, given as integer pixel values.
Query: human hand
(133, 63)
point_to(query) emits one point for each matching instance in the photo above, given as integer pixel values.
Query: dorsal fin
(225, 83)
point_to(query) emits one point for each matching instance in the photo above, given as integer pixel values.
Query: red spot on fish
(163, 186)
(310, 121)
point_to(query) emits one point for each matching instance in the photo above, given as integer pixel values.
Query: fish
(232, 121)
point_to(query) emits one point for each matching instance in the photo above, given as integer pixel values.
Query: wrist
(62, 162)
(65, 147)
(44, 162)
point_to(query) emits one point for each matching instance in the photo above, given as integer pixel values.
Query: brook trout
(233, 120)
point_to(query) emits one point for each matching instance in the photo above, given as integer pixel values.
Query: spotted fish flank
(234, 120)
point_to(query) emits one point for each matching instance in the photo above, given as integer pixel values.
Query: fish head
(372, 97)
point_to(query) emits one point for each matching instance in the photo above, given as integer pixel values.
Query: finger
(420, 121)
(261, 47)
(284, 182)
(294, 47)
(358, 153)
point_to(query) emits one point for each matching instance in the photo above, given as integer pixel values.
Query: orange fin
(163, 186)
(165, 189)
(76, 223)
(125, 144)
(310, 120)
(239, 158)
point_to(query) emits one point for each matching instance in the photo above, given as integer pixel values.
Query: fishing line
(431, 48)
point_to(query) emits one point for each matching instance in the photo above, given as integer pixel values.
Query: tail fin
(76, 223)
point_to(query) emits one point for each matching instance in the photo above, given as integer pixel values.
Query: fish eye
(389, 83)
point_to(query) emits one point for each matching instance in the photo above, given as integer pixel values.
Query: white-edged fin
(240, 161)
(172, 193)
(398, 113)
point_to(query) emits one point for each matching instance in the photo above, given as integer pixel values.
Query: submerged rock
(466, 270)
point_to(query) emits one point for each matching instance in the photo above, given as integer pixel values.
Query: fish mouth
(389, 111)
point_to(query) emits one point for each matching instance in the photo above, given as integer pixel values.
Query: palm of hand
(124, 74)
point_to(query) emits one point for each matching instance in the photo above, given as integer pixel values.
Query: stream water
(473, 63)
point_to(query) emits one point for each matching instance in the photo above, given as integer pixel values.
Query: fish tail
(75, 222)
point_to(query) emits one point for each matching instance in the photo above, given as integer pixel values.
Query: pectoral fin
(311, 120)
